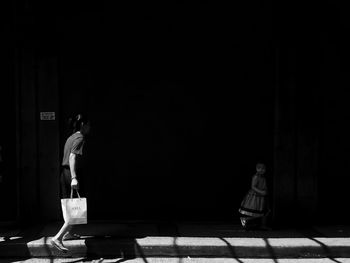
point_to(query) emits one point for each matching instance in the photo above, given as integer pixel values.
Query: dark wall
(336, 143)
(35, 87)
(8, 143)
(181, 103)
(311, 145)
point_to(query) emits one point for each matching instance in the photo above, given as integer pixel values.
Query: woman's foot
(59, 245)
(70, 236)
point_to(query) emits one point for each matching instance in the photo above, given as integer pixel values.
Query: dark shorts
(65, 182)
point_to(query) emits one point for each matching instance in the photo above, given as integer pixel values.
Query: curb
(183, 247)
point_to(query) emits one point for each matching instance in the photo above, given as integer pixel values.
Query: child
(254, 207)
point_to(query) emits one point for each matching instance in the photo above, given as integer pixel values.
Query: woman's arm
(72, 161)
(262, 192)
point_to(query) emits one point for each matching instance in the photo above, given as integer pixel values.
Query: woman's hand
(74, 184)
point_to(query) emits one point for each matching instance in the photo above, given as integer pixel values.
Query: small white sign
(47, 116)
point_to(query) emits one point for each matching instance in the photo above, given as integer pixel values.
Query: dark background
(178, 120)
(184, 98)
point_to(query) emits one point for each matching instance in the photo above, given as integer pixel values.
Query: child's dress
(255, 204)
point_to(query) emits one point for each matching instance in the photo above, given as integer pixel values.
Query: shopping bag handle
(71, 193)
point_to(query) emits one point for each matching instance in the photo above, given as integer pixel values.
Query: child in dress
(254, 207)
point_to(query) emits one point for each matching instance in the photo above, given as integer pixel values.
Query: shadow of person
(119, 248)
(33, 241)
(14, 244)
(109, 241)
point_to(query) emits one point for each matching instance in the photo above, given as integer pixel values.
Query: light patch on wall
(47, 116)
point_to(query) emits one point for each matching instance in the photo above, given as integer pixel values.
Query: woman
(70, 175)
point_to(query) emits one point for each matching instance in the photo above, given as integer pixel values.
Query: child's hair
(77, 122)
(260, 164)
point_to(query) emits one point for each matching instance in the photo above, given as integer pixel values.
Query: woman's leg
(64, 188)
(56, 241)
(64, 229)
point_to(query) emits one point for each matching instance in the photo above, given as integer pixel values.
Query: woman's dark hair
(77, 122)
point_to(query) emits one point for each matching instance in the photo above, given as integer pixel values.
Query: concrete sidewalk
(195, 240)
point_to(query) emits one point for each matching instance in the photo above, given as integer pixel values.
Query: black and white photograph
(174, 131)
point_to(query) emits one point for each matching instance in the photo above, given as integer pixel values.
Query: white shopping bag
(74, 210)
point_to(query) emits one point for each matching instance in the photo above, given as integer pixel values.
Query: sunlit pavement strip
(206, 247)
(156, 246)
(197, 244)
(237, 242)
(2, 239)
(246, 247)
(184, 260)
(244, 242)
(219, 242)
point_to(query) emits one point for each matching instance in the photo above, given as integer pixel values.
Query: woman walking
(71, 174)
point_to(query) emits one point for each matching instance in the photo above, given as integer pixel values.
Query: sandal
(58, 244)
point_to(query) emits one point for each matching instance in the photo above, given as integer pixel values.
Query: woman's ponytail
(77, 122)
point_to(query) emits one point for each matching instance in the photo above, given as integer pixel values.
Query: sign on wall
(47, 116)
